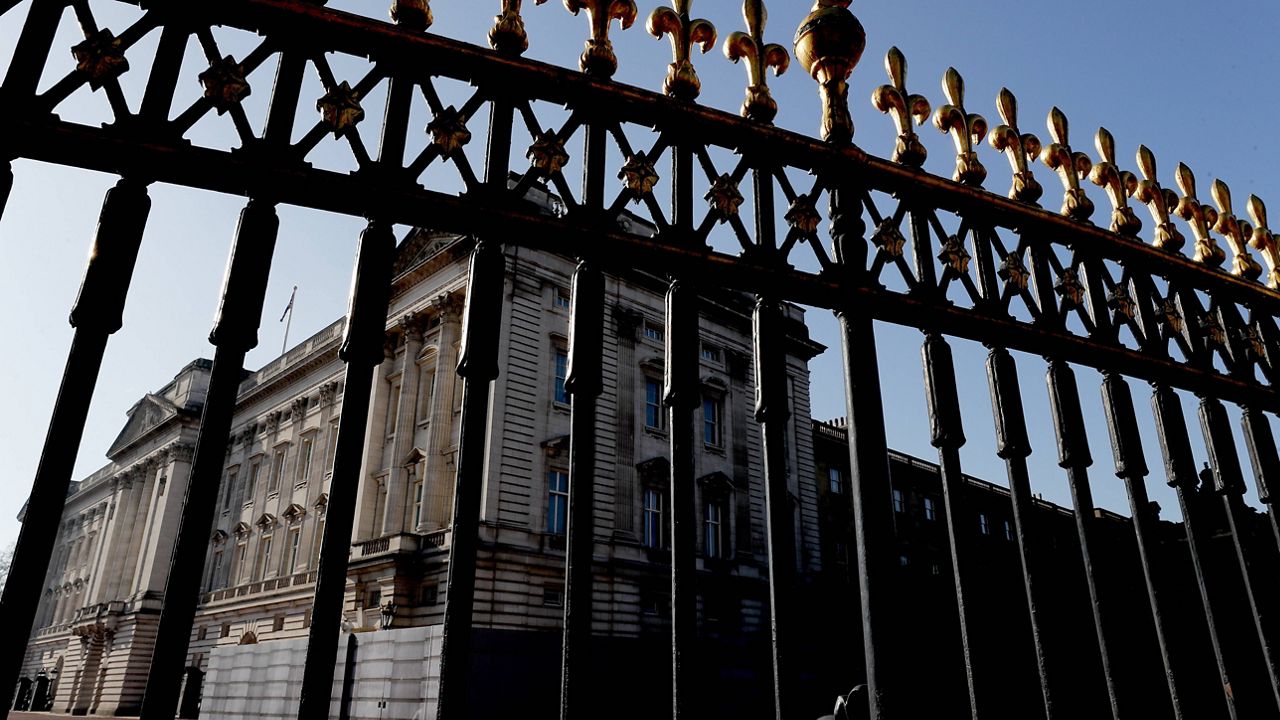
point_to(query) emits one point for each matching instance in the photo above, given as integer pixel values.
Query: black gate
(1163, 309)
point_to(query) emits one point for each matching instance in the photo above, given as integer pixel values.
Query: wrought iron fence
(1012, 275)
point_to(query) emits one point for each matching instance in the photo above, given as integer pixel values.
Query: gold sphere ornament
(829, 44)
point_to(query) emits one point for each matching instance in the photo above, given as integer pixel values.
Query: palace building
(91, 648)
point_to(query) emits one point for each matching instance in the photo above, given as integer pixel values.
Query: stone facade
(261, 564)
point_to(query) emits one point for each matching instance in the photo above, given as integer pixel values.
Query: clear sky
(1194, 81)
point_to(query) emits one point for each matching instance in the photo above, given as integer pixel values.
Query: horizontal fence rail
(819, 222)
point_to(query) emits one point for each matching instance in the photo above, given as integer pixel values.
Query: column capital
(449, 307)
(411, 326)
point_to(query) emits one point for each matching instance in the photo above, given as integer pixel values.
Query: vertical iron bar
(1266, 462)
(1131, 466)
(478, 367)
(1180, 472)
(772, 413)
(234, 334)
(361, 351)
(1074, 457)
(681, 396)
(583, 383)
(1229, 483)
(947, 426)
(97, 314)
(1013, 446)
(868, 456)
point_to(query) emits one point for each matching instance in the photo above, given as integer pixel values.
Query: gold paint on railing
(966, 129)
(1160, 203)
(1200, 217)
(412, 14)
(1071, 167)
(685, 31)
(1264, 241)
(829, 43)
(894, 100)
(508, 34)
(759, 104)
(598, 59)
(1118, 184)
(1236, 232)
(1021, 149)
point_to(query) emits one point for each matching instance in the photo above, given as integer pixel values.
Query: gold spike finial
(1020, 149)
(682, 79)
(598, 59)
(829, 43)
(1119, 184)
(966, 129)
(412, 14)
(1236, 232)
(507, 34)
(750, 46)
(1070, 166)
(1200, 217)
(894, 100)
(1264, 241)
(1159, 201)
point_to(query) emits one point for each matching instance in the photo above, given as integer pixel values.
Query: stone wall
(395, 677)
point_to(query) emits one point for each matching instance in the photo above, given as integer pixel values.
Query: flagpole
(288, 312)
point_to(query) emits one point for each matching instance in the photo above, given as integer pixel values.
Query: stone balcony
(276, 585)
(401, 543)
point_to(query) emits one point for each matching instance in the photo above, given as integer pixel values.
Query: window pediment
(294, 513)
(716, 483)
(654, 471)
(266, 521)
(241, 529)
(219, 537)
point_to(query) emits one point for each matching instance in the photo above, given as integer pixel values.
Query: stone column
(148, 495)
(114, 549)
(393, 520)
(626, 323)
(110, 525)
(366, 525)
(438, 477)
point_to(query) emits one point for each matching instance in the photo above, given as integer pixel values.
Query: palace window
(713, 530)
(417, 503)
(561, 395)
(255, 479)
(304, 459)
(237, 568)
(557, 502)
(652, 530)
(1008, 531)
(331, 447)
(899, 502)
(983, 526)
(653, 404)
(264, 556)
(930, 513)
(562, 299)
(710, 353)
(277, 471)
(836, 479)
(230, 490)
(711, 422)
(655, 331)
(295, 540)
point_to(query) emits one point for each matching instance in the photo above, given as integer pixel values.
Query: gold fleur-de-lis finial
(966, 129)
(508, 34)
(1119, 184)
(1264, 241)
(894, 100)
(598, 59)
(1159, 201)
(412, 14)
(750, 46)
(1236, 232)
(1070, 166)
(1200, 217)
(682, 79)
(1020, 148)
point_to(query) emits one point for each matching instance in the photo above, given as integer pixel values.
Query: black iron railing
(1012, 275)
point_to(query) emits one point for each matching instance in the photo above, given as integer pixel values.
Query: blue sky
(1194, 82)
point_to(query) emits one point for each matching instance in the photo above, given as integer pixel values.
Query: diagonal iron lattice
(992, 267)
